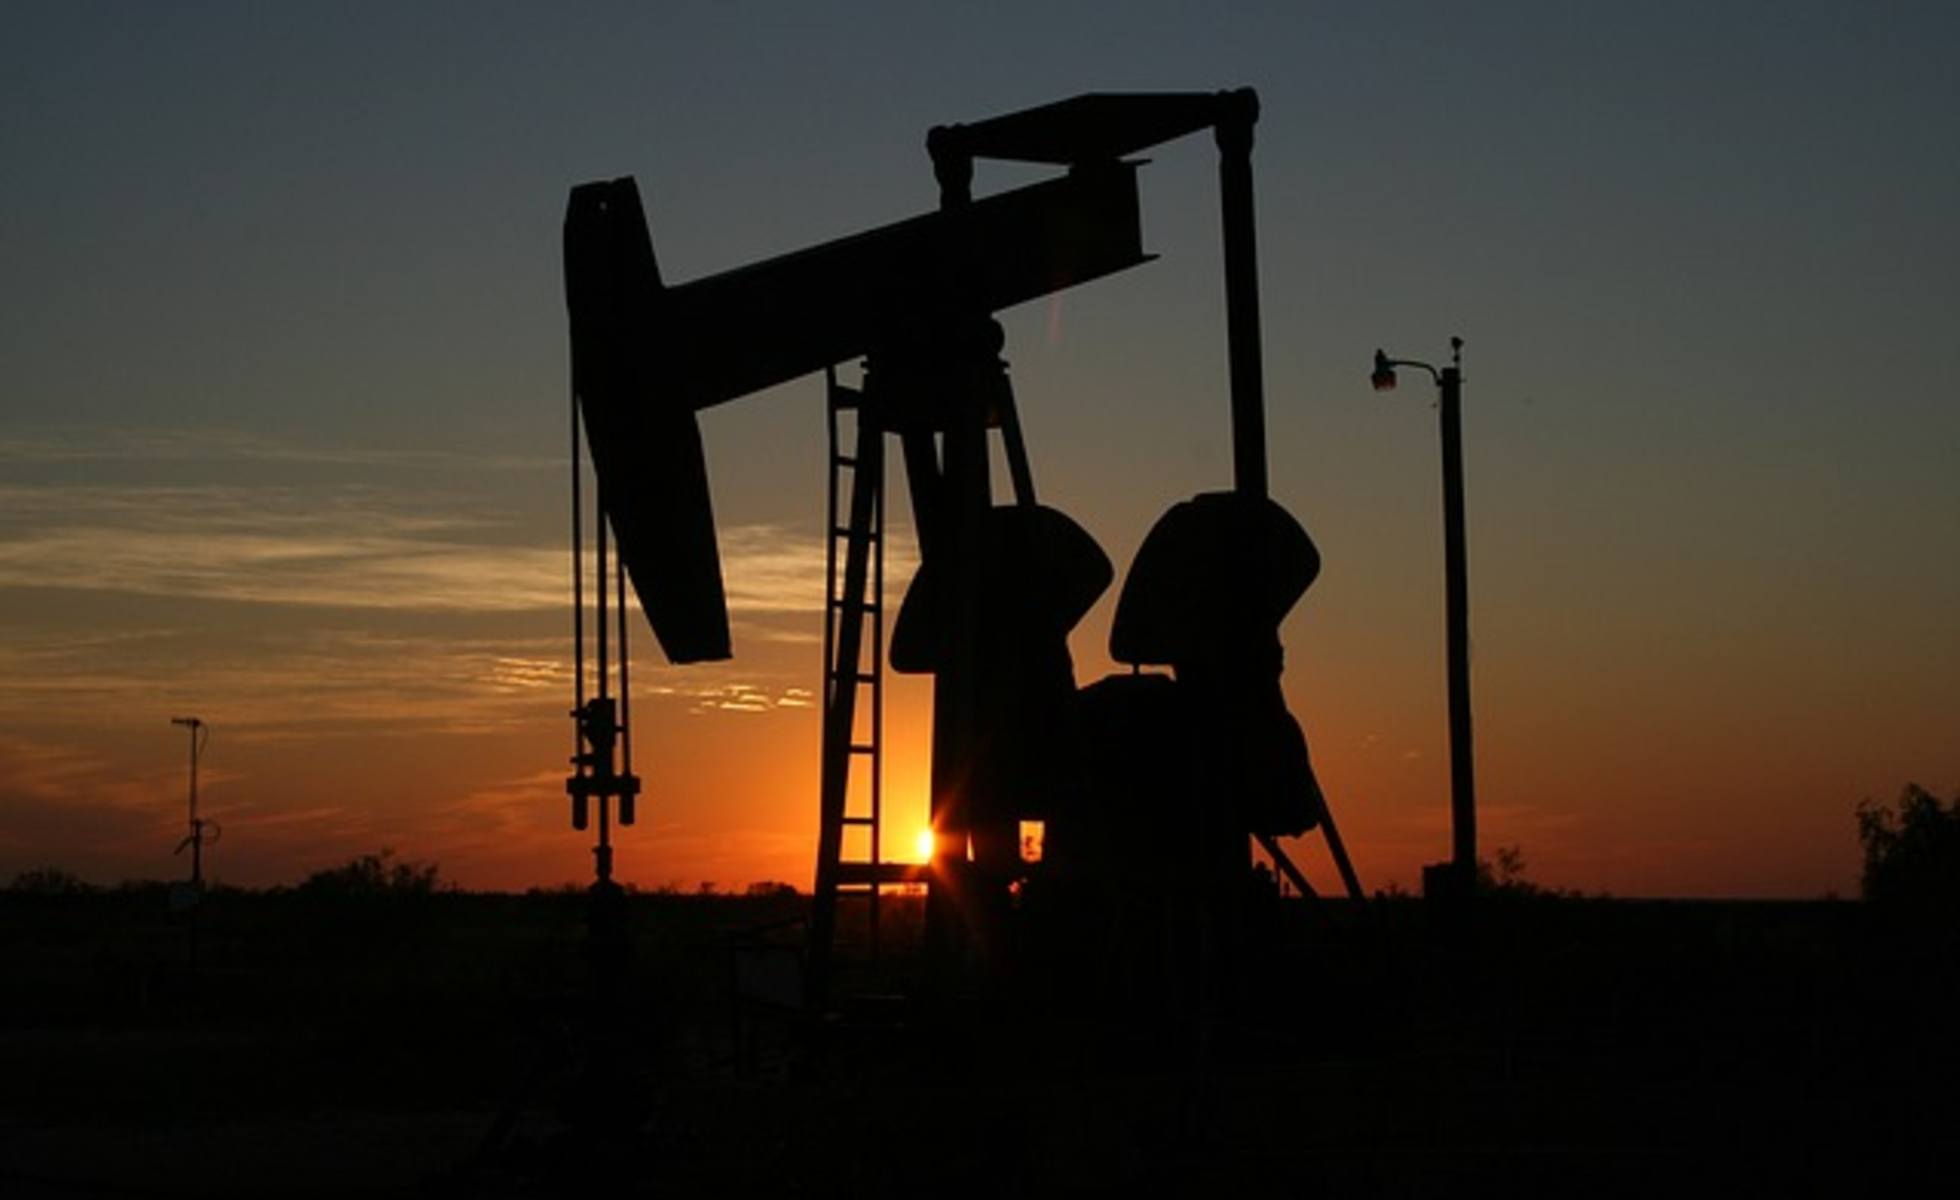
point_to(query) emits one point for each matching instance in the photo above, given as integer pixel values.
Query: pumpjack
(1151, 787)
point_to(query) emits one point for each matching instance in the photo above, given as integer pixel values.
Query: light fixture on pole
(1457, 877)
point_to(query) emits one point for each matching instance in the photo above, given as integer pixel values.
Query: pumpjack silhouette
(1151, 787)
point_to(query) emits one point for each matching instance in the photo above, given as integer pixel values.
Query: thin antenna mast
(200, 734)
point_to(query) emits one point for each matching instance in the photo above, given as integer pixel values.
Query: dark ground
(370, 1045)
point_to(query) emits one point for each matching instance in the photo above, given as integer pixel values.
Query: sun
(922, 845)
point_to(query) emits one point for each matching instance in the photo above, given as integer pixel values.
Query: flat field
(442, 1045)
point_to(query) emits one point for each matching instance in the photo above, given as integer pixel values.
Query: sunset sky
(283, 358)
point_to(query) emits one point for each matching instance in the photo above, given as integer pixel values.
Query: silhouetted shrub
(373, 875)
(1503, 875)
(48, 881)
(1912, 854)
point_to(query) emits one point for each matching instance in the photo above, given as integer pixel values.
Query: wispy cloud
(498, 812)
(341, 546)
(772, 569)
(108, 818)
(743, 696)
(287, 684)
(48, 771)
(346, 546)
(86, 445)
(293, 685)
(65, 807)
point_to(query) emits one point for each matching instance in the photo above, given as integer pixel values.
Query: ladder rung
(884, 872)
(870, 606)
(845, 460)
(844, 531)
(861, 679)
(863, 748)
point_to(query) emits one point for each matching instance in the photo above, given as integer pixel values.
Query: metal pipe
(578, 588)
(601, 667)
(1238, 111)
(627, 783)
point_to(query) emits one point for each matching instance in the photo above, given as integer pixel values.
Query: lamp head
(1384, 376)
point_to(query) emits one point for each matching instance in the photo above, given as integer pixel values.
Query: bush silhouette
(1912, 853)
(1503, 875)
(373, 876)
(48, 881)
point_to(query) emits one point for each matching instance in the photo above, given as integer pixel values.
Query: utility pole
(1461, 870)
(1456, 582)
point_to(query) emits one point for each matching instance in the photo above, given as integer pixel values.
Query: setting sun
(922, 846)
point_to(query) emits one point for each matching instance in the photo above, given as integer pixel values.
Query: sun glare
(922, 846)
(1033, 836)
